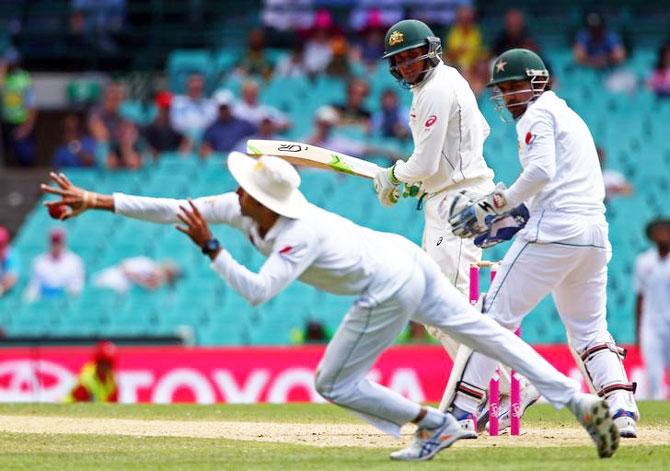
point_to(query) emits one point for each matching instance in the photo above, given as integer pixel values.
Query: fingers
(195, 209)
(186, 219)
(50, 189)
(60, 179)
(183, 229)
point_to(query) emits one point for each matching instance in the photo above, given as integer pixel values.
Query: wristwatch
(211, 246)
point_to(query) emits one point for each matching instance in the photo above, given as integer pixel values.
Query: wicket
(494, 383)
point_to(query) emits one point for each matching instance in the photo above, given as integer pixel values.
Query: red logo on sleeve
(286, 250)
(430, 121)
(529, 138)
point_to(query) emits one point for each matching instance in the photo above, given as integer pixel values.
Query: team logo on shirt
(430, 121)
(527, 141)
(292, 252)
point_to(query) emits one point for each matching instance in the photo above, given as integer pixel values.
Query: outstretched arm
(293, 254)
(219, 209)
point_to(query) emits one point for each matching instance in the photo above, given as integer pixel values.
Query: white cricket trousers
(429, 298)
(655, 346)
(575, 273)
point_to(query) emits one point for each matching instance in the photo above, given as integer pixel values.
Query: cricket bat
(299, 153)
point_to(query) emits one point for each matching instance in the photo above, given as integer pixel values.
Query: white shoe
(529, 396)
(594, 414)
(468, 428)
(625, 422)
(429, 441)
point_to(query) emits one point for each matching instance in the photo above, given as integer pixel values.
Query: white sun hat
(271, 181)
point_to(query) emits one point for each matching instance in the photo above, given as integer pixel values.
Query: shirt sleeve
(293, 253)
(538, 156)
(218, 209)
(433, 112)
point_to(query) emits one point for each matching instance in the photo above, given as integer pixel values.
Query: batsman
(449, 133)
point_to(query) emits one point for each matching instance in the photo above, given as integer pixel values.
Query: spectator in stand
(435, 12)
(96, 382)
(104, 120)
(652, 282)
(293, 65)
(143, 272)
(126, 152)
(318, 50)
(371, 47)
(159, 135)
(659, 81)
(391, 119)
(515, 35)
(325, 119)
(267, 129)
(380, 13)
(340, 64)
(192, 113)
(464, 45)
(615, 182)
(288, 15)
(224, 134)
(18, 111)
(9, 268)
(596, 46)
(77, 149)
(56, 273)
(250, 109)
(254, 60)
(354, 111)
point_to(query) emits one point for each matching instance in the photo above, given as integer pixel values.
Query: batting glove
(476, 218)
(387, 187)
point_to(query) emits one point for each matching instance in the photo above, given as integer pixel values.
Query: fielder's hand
(387, 187)
(195, 225)
(74, 200)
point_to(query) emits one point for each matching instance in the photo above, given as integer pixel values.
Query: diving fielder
(303, 241)
(564, 247)
(449, 133)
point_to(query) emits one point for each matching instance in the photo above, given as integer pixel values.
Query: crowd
(59, 272)
(206, 118)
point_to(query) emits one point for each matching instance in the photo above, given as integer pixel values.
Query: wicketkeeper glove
(478, 215)
(504, 227)
(387, 187)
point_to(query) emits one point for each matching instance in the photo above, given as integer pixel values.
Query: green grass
(53, 451)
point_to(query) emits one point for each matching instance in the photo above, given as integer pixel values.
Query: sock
(433, 418)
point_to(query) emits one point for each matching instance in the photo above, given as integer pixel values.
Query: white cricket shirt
(448, 131)
(561, 182)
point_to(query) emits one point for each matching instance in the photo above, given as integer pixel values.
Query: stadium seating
(200, 301)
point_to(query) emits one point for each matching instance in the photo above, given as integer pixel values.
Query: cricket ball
(57, 212)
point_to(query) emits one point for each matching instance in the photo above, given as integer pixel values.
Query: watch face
(210, 246)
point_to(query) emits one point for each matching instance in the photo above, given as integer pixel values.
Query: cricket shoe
(625, 422)
(529, 396)
(429, 441)
(594, 414)
(467, 421)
